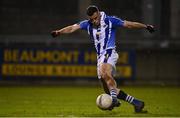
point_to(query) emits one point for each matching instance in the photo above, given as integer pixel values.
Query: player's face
(95, 19)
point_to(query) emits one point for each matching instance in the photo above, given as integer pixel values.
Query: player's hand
(54, 34)
(150, 28)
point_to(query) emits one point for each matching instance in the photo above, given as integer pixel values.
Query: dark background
(29, 23)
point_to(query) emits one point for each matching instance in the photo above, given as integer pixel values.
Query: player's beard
(97, 24)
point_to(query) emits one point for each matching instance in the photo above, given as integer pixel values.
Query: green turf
(80, 101)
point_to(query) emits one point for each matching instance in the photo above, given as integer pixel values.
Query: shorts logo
(106, 56)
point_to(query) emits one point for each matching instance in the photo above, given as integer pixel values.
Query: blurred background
(29, 55)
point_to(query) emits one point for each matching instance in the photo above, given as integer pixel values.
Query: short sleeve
(84, 24)
(116, 22)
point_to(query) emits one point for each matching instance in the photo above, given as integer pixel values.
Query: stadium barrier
(51, 62)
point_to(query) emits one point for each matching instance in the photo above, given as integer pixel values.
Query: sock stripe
(129, 99)
(113, 90)
(132, 100)
(113, 93)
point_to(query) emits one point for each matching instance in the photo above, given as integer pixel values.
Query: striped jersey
(104, 35)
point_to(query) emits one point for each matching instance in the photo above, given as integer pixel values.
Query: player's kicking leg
(106, 90)
(107, 78)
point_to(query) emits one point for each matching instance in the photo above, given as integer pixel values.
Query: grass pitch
(66, 101)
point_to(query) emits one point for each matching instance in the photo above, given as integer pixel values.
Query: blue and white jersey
(103, 36)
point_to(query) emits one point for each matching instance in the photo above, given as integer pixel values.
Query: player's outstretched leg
(113, 93)
(138, 104)
(115, 101)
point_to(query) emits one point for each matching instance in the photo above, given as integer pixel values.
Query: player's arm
(65, 30)
(137, 25)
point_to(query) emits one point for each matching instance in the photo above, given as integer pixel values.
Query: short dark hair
(91, 9)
